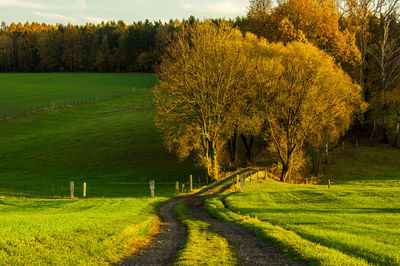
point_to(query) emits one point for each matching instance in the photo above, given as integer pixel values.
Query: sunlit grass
(203, 246)
(357, 221)
(72, 232)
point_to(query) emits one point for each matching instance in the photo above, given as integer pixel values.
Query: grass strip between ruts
(203, 246)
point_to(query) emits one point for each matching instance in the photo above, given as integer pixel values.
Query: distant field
(357, 221)
(73, 232)
(112, 145)
(23, 92)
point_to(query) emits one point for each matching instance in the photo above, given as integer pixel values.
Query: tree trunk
(214, 161)
(286, 166)
(396, 136)
(248, 146)
(326, 152)
(385, 132)
(284, 173)
(232, 146)
(373, 130)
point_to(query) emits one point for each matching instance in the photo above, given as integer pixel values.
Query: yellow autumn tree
(305, 95)
(202, 78)
(316, 21)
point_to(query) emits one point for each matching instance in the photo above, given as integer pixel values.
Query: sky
(95, 11)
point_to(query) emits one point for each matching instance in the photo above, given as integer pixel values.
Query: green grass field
(112, 145)
(73, 232)
(20, 93)
(357, 221)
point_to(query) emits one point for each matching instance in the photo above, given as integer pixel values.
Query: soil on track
(164, 248)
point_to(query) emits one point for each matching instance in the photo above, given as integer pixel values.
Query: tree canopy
(202, 78)
(215, 82)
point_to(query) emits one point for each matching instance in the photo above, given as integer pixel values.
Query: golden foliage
(202, 78)
(316, 21)
(213, 81)
(305, 95)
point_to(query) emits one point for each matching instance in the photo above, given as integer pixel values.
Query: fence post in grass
(152, 188)
(237, 182)
(191, 182)
(329, 183)
(177, 187)
(84, 189)
(241, 184)
(71, 189)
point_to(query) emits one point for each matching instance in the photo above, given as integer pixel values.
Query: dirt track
(164, 248)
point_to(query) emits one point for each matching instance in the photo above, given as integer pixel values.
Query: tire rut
(164, 249)
(249, 249)
(166, 244)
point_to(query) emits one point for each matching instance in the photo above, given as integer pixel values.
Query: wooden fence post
(191, 182)
(152, 188)
(177, 187)
(241, 184)
(84, 189)
(237, 182)
(329, 183)
(71, 189)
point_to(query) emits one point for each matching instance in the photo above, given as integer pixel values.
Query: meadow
(112, 145)
(357, 221)
(24, 92)
(73, 232)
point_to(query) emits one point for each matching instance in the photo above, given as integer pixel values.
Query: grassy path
(207, 239)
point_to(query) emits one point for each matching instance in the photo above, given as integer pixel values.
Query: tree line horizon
(361, 36)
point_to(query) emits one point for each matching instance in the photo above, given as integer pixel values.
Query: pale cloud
(80, 4)
(24, 4)
(75, 5)
(225, 8)
(57, 17)
(95, 20)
